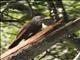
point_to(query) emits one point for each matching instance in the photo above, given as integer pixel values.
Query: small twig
(9, 20)
(77, 57)
(30, 8)
(7, 5)
(53, 11)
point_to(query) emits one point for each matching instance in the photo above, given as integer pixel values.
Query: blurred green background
(20, 10)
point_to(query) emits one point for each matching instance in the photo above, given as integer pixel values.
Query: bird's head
(39, 19)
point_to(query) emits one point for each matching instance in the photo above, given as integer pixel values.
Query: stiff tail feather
(15, 43)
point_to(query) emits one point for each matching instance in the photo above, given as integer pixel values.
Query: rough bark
(40, 42)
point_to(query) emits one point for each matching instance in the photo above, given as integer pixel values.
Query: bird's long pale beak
(46, 18)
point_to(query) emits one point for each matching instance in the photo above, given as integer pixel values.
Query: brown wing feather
(22, 29)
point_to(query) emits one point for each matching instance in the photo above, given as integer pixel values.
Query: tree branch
(77, 57)
(41, 41)
(9, 20)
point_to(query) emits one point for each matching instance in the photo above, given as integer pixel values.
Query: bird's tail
(15, 43)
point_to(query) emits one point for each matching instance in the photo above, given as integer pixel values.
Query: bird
(28, 29)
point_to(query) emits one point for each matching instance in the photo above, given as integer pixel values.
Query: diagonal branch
(41, 41)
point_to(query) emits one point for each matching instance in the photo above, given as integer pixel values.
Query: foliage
(22, 11)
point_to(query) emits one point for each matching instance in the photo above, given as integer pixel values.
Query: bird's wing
(23, 29)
